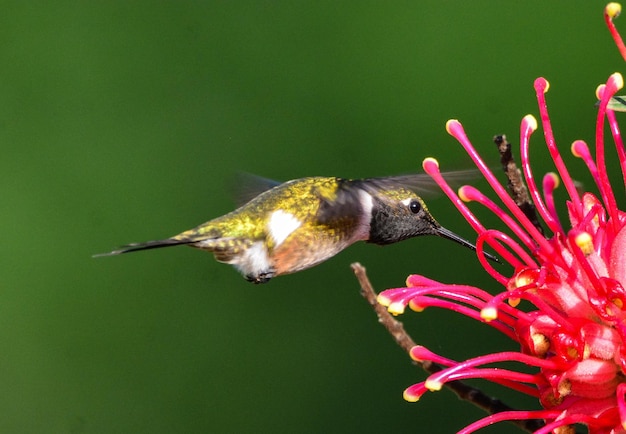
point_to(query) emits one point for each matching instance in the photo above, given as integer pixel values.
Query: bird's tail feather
(135, 247)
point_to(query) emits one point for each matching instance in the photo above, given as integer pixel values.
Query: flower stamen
(572, 331)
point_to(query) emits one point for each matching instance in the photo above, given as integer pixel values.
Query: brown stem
(516, 185)
(402, 338)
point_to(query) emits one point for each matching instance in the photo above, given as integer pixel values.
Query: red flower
(574, 334)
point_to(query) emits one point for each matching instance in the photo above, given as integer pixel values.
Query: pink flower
(570, 283)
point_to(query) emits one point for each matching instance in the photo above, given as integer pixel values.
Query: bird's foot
(261, 277)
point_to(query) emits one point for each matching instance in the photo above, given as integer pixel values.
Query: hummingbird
(298, 224)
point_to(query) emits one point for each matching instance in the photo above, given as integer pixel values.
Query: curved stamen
(613, 84)
(612, 10)
(619, 143)
(455, 129)
(550, 183)
(469, 193)
(508, 415)
(541, 87)
(502, 238)
(527, 127)
(581, 150)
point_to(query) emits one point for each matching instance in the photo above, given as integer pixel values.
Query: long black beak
(443, 232)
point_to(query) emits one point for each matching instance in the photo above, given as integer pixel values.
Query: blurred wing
(246, 187)
(423, 184)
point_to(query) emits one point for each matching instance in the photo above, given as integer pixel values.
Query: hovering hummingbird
(301, 223)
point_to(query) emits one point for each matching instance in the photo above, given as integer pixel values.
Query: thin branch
(402, 338)
(516, 185)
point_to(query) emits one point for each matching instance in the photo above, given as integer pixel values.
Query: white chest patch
(254, 260)
(280, 225)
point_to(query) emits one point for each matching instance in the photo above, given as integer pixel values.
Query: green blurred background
(126, 121)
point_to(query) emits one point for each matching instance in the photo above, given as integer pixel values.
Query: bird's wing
(422, 183)
(247, 186)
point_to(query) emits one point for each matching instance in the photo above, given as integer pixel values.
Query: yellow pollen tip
(416, 307)
(567, 429)
(584, 242)
(599, 91)
(463, 196)
(396, 308)
(619, 303)
(523, 279)
(541, 344)
(410, 397)
(430, 160)
(573, 149)
(609, 311)
(433, 386)
(513, 302)
(531, 121)
(613, 10)
(381, 299)
(448, 124)
(564, 388)
(619, 80)
(412, 356)
(555, 179)
(489, 314)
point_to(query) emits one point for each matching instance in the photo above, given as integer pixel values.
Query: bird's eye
(415, 206)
